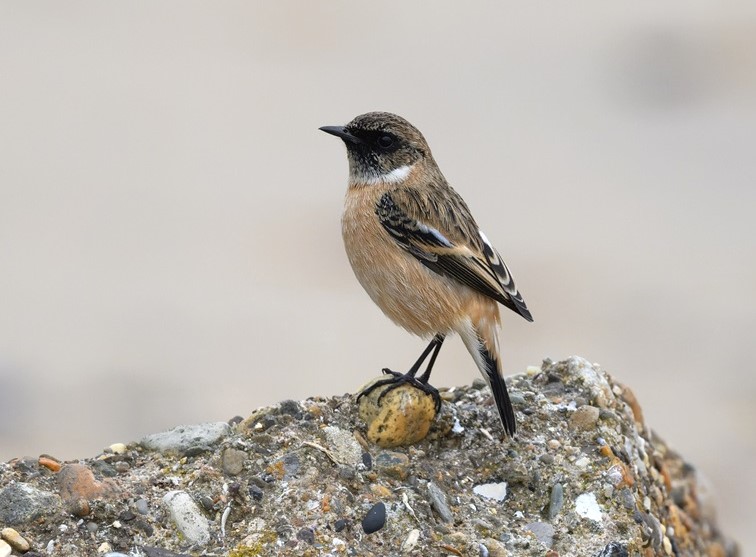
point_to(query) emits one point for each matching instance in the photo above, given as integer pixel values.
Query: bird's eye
(385, 141)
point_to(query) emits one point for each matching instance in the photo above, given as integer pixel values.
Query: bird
(419, 254)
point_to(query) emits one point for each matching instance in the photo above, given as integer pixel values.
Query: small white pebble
(554, 444)
(495, 491)
(582, 462)
(118, 448)
(105, 547)
(5, 549)
(457, 427)
(587, 507)
(411, 541)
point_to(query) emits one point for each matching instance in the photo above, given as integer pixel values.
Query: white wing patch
(435, 233)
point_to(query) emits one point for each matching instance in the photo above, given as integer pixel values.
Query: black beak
(340, 131)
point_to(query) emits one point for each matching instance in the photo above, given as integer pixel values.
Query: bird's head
(381, 147)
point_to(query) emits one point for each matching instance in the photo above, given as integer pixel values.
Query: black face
(376, 140)
(377, 152)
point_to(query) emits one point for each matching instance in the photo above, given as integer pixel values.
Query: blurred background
(170, 247)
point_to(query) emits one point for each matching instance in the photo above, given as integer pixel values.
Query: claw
(397, 379)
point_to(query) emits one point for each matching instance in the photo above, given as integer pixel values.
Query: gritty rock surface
(302, 477)
(186, 438)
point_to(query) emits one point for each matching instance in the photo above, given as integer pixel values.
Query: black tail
(499, 390)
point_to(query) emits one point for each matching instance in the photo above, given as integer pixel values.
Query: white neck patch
(393, 177)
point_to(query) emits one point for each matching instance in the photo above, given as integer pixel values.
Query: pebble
(104, 547)
(306, 535)
(375, 519)
(587, 506)
(343, 446)
(546, 458)
(585, 418)
(392, 464)
(410, 541)
(232, 461)
(5, 549)
(495, 491)
(186, 437)
(613, 549)
(49, 463)
(187, 517)
(291, 408)
(256, 493)
(15, 540)
(20, 503)
(403, 417)
(543, 531)
(122, 467)
(77, 481)
(118, 448)
(438, 502)
(556, 500)
(340, 524)
(495, 548)
(141, 506)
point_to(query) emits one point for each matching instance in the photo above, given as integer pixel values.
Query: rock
(306, 535)
(186, 437)
(611, 490)
(21, 503)
(233, 461)
(585, 418)
(343, 446)
(543, 531)
(5, 549)
(15, 540)
(402, 417)
(118, 448)
(375, 519)
(392, 464)
(587, 507)
(77, 482)
(495, 491)
(410, 541)
(187, 517)
(49, 463)
(438, 502)
(556, 500)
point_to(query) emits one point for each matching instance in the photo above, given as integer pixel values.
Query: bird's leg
(421, 382)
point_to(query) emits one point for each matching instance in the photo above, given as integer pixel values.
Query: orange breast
(411, 295)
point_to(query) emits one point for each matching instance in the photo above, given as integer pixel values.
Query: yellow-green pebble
(403, 417)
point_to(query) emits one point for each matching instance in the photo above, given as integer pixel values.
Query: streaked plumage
(417, 250)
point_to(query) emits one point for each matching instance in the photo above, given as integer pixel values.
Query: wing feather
(449, 244)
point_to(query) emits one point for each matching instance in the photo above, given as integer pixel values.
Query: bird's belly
(411, 295)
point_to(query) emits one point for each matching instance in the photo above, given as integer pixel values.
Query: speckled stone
(403, 417)
(585, 418)
(77, 482)
(232, 461)
(187, 517)
(438, 502)
(186, 437)
(20, 503)
(343, 446)
(392, 464)
(15, 540)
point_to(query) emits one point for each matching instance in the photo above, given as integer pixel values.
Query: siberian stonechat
(418, 252)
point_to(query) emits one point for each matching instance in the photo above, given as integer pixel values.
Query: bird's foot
(398, 379)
